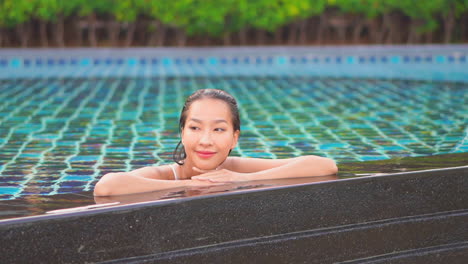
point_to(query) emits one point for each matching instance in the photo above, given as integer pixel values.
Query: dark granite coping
(362, 218)
(159, 203)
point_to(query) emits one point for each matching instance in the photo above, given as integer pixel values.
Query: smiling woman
(210, 129)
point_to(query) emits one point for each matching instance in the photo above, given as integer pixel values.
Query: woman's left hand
(221, 175)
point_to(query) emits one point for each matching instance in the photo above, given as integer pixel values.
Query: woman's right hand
(198, 183)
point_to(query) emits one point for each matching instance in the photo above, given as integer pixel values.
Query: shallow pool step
(438, 237)
(449, 253)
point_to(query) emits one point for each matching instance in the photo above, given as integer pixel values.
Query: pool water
(59, 135)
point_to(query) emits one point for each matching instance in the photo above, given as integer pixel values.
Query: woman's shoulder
(167, 171)
(231, 162)
(161, 172)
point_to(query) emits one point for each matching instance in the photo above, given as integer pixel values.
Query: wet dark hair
(179, 153)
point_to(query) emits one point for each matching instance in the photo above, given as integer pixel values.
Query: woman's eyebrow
(215, 121)
(220, 121)
(195, 120)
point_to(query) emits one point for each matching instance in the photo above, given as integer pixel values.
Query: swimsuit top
(174, 171)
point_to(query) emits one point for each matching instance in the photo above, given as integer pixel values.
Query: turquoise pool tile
(167, 61)
(45, 136)
(332, 146)
(132, 61)
(213, 61)
(117, 150)
(280, 143)
(84, 158)
(85, 62)
(392, 148)
(9, 190)
(351, 60)
(281, 60)
(370, 158)
(453, 139)
(31, 155)
(354, 125)
(16, 63)
(401, 139)
(440, 59)
(395, 59)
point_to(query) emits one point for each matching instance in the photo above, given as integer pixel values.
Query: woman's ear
(236, 138)
(181, 134)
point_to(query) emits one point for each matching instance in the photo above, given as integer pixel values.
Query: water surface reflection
(208, 190)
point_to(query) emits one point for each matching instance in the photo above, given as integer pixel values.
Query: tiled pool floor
(59, 135)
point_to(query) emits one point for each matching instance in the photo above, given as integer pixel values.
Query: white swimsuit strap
(174, 171)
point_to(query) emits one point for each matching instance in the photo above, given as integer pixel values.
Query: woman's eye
(194, 128)
(220, 129)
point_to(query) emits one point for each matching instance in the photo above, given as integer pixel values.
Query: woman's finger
(200, 178)
(214, 178)
(204, 176)
(205, 179)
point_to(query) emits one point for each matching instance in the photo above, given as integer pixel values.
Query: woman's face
(208, 134)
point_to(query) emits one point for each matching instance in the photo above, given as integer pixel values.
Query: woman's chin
(206, 165)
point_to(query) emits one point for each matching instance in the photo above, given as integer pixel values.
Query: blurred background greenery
(114, 23)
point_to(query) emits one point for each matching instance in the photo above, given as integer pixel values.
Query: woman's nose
(206, 139)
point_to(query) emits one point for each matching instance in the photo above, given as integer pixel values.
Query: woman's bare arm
(138, 181)
(248, 169)
(304, 166)
(127, 183)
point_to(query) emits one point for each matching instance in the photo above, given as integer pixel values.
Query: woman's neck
(186, 171)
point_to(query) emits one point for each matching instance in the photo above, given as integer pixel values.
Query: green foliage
(204, 17)
(172, 13)
(14, 12)
(193, 16)
(46, 9)
(87, 7)
(215, 17)
(126, 10)
(49, 9)
(425, 11)
(368, 8)
(272, 14)
(459, 7)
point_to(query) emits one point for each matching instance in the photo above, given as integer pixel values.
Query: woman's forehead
(209, 110)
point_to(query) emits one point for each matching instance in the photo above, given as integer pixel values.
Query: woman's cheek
(190, 138)
(227, 142)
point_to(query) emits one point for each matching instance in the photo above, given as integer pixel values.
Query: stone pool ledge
(417, 217)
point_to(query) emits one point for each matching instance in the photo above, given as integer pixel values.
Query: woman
(210, 128)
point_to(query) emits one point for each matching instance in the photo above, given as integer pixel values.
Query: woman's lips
(205, 154)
